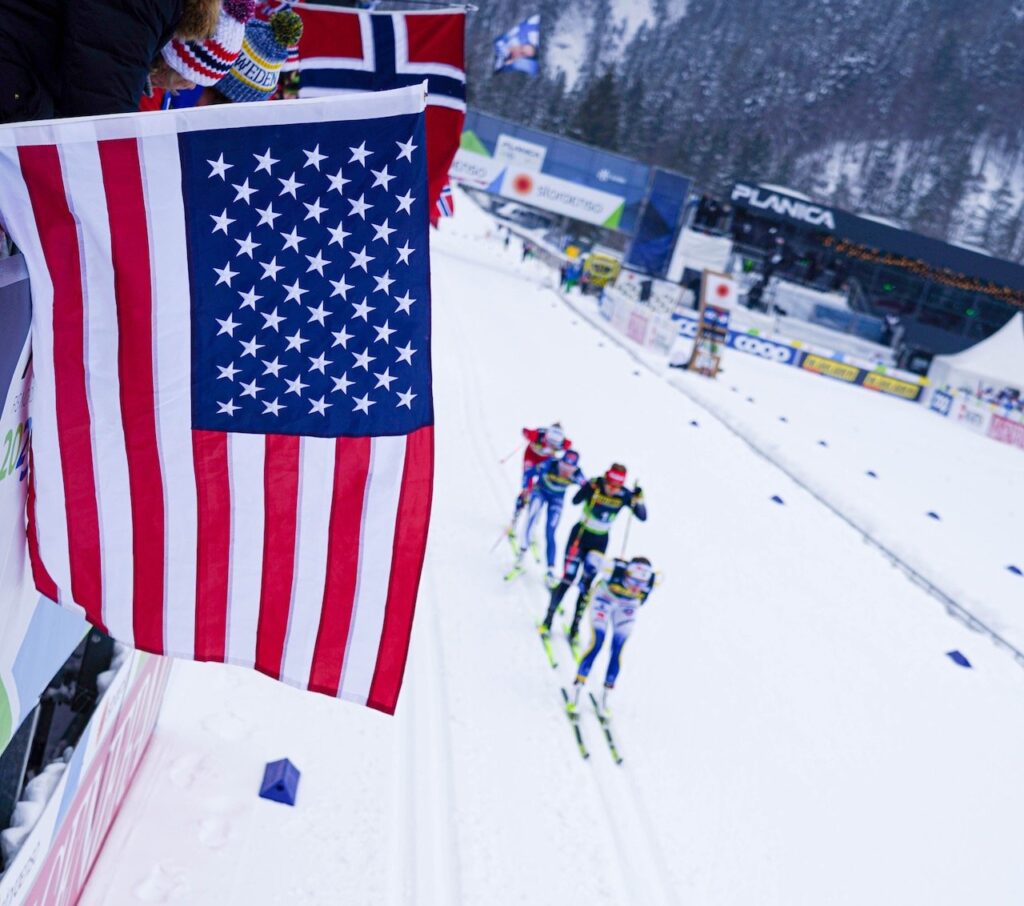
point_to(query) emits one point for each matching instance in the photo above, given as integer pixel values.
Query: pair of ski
(603, 719)
(545, 640)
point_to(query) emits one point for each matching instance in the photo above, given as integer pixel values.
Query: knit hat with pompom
(206, 62)
(264, 49)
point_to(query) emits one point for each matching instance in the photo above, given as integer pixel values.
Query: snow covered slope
(793, 731)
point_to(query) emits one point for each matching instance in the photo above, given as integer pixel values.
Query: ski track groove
(628, 852)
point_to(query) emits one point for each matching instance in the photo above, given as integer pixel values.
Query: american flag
(233, 424)
(346, 50)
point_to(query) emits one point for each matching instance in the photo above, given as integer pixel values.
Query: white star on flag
(338, 182)
(338, 235)
(221, 222)
(225, 274)
(227, 408)
(341, 338)
(295, 292)
(405, 202)
(319, 363)
(359, 155)
(342, 383)
(227, 325)
(246, 246)
(404, 251)
(314, 157)
(384, 379)
(405, 353)
(314, 210)
(249, 299)
(289, 185)
(404, 303)
(265, 161)
(406, 150)
(228, 371)
(296, 340)
(359, 206)
(316, 263)
(250, 347)
(270, 269)
(382, 178)
(273, 367)
(318, 314)
(361, 259)
(271, 320)
(251, 389)
(341, 288)
(244, 192)
(362, 309)
(383, 283)
(292, 239)
(320, 406)
(296, 386)
(267, 216)
(405, 399)
(363, 360)
(384, 333)
(363, 403)
(272, 408)
(219, 167)
(382, 231)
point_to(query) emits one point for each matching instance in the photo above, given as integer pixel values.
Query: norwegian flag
(345, 50)
(232, 417)
(446, 203)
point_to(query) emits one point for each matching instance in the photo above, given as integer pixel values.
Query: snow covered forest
(907, 109)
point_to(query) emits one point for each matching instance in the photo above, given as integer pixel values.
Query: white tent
(997, 362)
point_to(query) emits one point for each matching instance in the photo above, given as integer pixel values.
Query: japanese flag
(720, 290)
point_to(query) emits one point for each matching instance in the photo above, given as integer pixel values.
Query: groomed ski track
(792, 729)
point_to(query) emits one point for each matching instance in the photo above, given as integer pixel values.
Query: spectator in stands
(61, 58)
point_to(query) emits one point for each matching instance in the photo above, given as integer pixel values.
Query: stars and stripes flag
(232, 414)
(347, 50)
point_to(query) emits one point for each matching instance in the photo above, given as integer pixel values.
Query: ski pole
(625, 537)
(518, 447)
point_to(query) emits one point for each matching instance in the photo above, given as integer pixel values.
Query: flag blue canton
(309, 269)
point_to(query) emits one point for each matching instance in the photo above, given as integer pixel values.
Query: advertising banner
(831, 368)
(563, 197)
(53, 864)
(884, 383)
(518, 152)
(35, 636)
(941, 402)
(636, 328)
(476, 170)
(1006, 431)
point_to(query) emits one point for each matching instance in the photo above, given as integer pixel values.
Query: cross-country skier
(603, 499)
(551, 479)
(620, 591)
(541, 445)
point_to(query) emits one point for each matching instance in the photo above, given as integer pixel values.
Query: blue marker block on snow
(1015, 570)
(871, 473)
(783, 418)
(933, 515)
(777, 499)
(280, 782)
(822, 443)
(957, 658)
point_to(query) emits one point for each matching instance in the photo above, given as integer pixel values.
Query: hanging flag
(346, 50)
(446, 203)
(518, 48)
(232, 414)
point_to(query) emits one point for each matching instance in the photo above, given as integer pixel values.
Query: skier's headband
(618, 476)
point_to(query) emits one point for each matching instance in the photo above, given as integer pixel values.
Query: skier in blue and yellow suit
(620, 591)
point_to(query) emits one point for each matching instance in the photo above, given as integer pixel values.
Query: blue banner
(518, 48)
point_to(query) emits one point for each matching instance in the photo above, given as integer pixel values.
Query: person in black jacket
(61, 58)
(603, 499)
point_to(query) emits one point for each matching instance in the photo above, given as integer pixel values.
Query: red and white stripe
(297, 556)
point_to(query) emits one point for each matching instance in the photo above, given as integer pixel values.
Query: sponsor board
(1006, 431)
(517, 152)
(636, 328)
(884, 383)
(794, 208)
(563, 197)
(765, 349)
(475, 170)
(54, 863)
(941, 402)
(831, 368)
